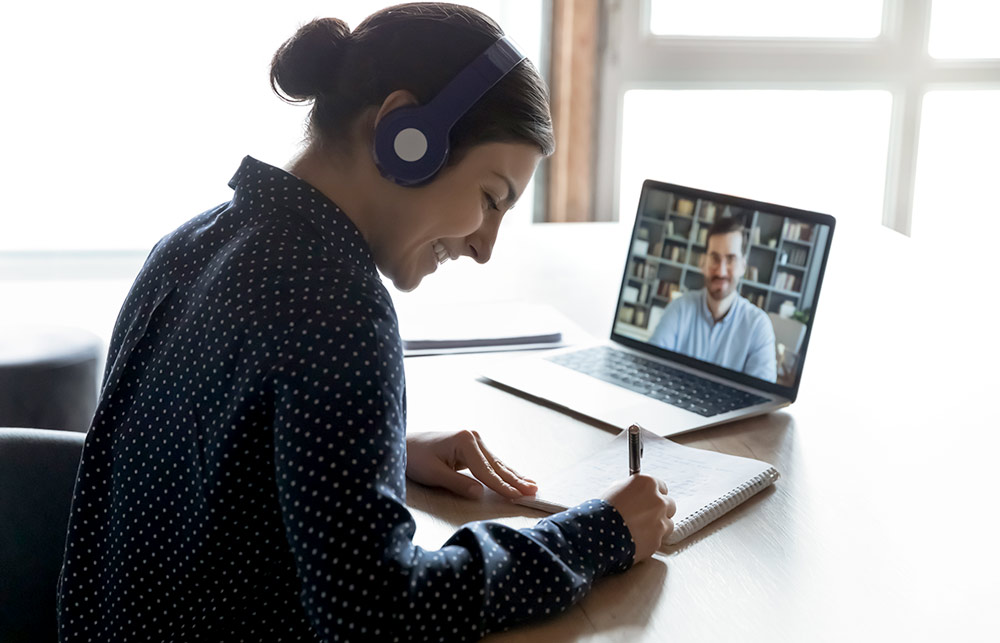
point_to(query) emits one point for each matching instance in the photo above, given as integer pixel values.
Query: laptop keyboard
(658, 381)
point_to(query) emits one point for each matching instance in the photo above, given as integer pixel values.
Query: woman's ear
(395, 100)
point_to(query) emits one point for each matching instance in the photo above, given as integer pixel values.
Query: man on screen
(716, 324)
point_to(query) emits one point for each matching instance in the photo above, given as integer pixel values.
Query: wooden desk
(883, 524)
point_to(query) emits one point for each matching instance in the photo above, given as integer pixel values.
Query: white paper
(695, 477)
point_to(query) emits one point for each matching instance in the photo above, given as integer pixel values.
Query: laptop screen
(723, 283)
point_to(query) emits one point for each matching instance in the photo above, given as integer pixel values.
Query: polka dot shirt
(243, 478)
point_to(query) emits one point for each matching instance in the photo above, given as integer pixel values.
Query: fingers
(668, 502)
(456, 482)
(498, 478)
(526, 486)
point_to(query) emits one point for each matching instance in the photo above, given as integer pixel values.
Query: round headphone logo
(411, 143)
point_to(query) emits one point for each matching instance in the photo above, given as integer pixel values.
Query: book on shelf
(667, 289)
(797, 257)
(641, 269)
(640, 317)
(787, 281)
(797, 231)
(685, 207)
(704, 484)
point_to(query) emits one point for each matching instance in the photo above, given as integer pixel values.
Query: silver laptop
(712, 322)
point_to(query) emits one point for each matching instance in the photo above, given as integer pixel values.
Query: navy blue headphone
(411, 143)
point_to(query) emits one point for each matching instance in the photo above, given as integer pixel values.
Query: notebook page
(695, 478)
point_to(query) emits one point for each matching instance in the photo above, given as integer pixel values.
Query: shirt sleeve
(665, 334)
(762, 361)
(340, 459)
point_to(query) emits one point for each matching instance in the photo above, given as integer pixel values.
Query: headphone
(411, 143)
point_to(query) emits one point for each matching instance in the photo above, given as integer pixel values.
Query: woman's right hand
(643, 502)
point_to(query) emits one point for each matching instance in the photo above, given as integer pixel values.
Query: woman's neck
(346, 180)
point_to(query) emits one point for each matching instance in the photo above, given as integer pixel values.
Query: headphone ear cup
(409, 148)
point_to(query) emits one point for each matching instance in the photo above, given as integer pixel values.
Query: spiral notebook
(704, 484)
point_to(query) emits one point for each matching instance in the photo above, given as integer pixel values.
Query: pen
(634, 449)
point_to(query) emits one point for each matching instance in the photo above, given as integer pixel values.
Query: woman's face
(456, 214)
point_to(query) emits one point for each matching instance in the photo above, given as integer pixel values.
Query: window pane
(767, 18)
(138, 116)
(958, 167)
(965, 29)
(818, 150)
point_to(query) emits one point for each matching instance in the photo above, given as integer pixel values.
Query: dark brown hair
(418, 47)
(725, 225)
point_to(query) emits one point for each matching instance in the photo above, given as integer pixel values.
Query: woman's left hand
(434, 459)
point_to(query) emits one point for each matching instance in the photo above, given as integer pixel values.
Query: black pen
(634, 449)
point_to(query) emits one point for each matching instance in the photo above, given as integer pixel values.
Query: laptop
(713, 319)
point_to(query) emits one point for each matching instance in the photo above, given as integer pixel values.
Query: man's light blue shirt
(743, 340)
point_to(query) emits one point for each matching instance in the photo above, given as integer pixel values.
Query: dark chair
(48, 377)
(37, 473)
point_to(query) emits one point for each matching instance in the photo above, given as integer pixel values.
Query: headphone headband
(411, 143)
(474, 81)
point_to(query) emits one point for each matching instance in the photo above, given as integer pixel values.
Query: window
(756, 19)
(124, 119)
(823, 150)
(957, 170)
(965, 29)
(850, 107)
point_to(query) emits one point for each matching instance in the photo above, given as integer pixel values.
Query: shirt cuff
(601, 535)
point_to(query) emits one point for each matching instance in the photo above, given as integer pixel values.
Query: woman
(243, 478)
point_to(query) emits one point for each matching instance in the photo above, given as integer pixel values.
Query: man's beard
(725, 291)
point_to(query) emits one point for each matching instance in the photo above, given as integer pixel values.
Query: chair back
(37, 474)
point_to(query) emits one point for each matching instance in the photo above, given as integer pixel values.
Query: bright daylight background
(124, 119)
(820, 150)
(825, 150)
(798, 18)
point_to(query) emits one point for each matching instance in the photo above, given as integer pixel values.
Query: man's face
(723, 265)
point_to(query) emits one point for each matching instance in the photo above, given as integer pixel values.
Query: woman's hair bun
(306, 64)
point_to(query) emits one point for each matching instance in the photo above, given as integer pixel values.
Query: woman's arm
(339, 439)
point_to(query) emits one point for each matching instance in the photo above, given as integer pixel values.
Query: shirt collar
(257, 183)
(703, 309)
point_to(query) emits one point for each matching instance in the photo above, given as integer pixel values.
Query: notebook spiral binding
(723, 505)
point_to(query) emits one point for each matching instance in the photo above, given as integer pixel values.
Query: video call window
(693, 260)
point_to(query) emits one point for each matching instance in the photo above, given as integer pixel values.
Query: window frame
(897, 61)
